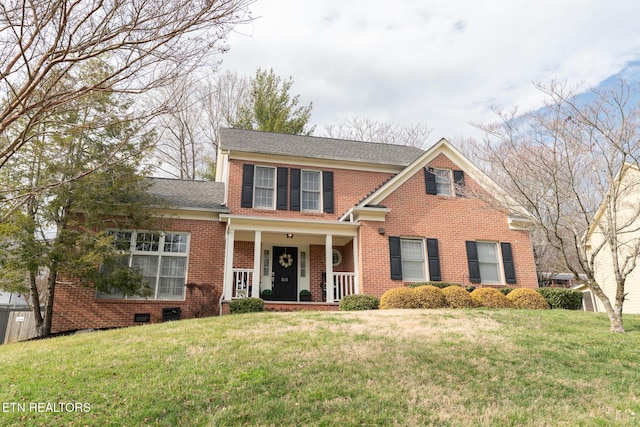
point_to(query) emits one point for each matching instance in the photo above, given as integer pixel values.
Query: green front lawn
(388, 367)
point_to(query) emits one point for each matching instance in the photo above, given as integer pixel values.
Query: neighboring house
(291, 213)
(628, 220)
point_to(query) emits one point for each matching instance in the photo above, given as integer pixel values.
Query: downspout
(226, 235)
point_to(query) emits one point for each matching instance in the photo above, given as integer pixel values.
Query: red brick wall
(451, 220)
(76, 307)
(349, 188)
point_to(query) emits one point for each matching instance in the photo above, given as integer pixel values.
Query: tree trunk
(615, 314)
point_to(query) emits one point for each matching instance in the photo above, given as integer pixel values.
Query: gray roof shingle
(316, 147)
(207, 195)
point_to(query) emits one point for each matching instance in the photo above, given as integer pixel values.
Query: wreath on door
(286, 260)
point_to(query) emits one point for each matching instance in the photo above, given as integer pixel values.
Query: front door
(285, 273)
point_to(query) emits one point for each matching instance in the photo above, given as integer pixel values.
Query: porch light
(289, 235)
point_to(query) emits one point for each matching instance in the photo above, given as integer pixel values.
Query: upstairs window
(311, 191)
(443, 182)
(264, 187)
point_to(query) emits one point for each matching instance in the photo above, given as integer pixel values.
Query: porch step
(299, 306)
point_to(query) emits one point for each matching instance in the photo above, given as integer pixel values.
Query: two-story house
(290, 213)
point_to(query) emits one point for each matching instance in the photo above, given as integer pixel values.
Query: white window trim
(320, 206)
(425, 264)
(160, 253)
(449, 172)
(501, 279)
(273, 189)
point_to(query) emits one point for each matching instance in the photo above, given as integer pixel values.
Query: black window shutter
(472, 259)
(430, 181)
(507, 261)
(281, 197)
(434, 260)
(458, 181)
(395, 258)
(327, 191)
(247, 186)
(294, 194)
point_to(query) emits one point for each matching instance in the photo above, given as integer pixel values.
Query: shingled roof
(316, 147)
(200, 195)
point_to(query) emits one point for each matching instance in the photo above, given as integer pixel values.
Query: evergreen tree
(59, 231)
(270, 107)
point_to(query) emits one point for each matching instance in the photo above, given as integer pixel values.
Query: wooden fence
(18, 325)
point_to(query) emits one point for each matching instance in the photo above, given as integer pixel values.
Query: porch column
(255, 283)
(328, 257)
(356, 279)
(228, 265)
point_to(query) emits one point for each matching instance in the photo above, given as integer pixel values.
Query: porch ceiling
(275, 230)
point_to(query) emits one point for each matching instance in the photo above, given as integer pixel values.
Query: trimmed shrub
(440, 285)
(246, 305)
(505, 291)
(359, 302)
(528, 299)
(490, 298)
(429, 297)
(398, 298)
(568, 299)
(457, 297)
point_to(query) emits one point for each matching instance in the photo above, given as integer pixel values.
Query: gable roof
(187, 194)
(316, 147)
(442, 147)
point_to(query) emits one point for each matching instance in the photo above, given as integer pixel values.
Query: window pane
(412, 250)
(148, 267)
(310, 181)
(172, 277)
(147, 242)
(264, 198)
(443, 182)
(121, 240)
(487, 252)
(488, 262)
(310, 201)
(264, 187)
(264, 177)
(310, 191)
(412, 260)
(175, 243)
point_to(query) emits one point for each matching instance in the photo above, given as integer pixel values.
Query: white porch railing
(344, 284)
(242, 280)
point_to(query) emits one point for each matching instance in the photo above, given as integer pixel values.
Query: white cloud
(444, 62)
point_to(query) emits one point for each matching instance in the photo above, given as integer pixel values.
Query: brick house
(290, 213)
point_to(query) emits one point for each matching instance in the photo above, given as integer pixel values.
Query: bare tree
(363, 129)
(196, 109)
(145, 44)
(569, 165)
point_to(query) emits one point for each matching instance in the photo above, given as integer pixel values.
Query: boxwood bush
(398, 298)
(359, 302)
(246, 305)
(528, 299)
(429, 297)
(457, 297)
(490, 297)
(569, 299)
(440, 285)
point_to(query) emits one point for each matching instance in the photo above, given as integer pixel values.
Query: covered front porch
(288, 262)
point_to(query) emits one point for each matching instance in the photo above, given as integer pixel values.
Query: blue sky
(440, 62)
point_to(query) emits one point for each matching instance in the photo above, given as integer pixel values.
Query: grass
(389, 367)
